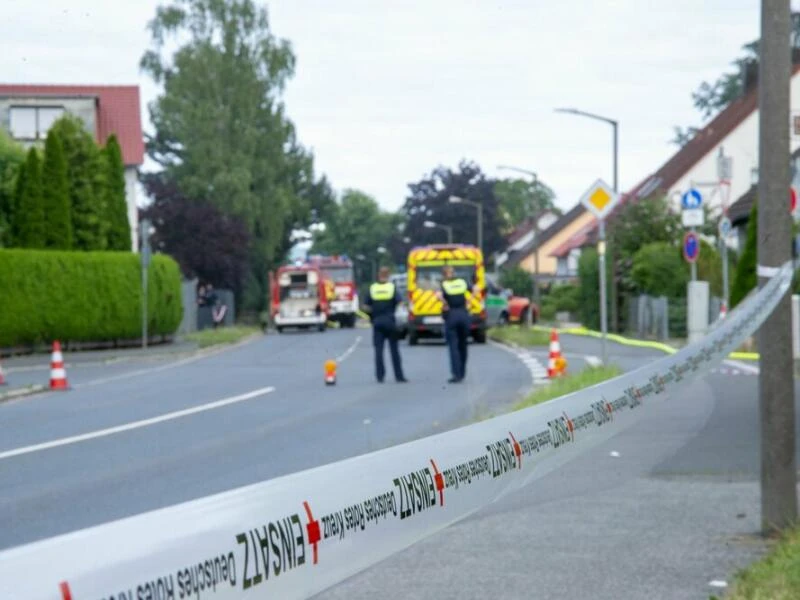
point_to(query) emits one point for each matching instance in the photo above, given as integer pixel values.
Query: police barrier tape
(294, 536)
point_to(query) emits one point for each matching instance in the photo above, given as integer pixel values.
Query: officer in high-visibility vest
(381, 303)
(456, 322)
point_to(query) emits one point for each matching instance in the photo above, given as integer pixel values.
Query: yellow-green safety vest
(454, 287)
(381, 291)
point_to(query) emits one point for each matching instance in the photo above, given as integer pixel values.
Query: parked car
(503, 307)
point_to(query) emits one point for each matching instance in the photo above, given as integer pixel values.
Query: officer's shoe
(402, 380)
(455, 380)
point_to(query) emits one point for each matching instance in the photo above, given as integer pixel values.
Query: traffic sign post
(692, 214)
(600, 200)
(691, 250)
(724, 229)
(144, 233)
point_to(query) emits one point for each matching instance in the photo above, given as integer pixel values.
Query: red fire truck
(340, 285)
(299, 298)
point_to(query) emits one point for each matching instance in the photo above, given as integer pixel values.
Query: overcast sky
(386, 91)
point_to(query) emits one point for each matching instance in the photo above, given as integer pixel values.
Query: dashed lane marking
(537, 370)
(136, 424)
(593, 361)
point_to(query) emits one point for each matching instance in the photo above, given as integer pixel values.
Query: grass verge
(523, 336)
(223, 335)
(774, 577)
(570, 383)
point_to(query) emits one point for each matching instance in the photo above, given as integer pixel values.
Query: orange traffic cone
(58, 376)
(330, 372)
(554, 365)
(723, 311)
(2, 376)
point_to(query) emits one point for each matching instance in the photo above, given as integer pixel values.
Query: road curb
(583, 331)
(21, 392)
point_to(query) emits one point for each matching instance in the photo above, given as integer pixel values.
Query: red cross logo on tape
(517, 450)
(570, 426)
(65, 593)
(314, 535)
(439, 481)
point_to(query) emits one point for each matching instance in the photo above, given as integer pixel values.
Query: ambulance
(425, 279)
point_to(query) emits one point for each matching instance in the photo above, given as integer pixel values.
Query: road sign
(792, 199)
(725, 227)
(691, 246)
(599, 199)
(693, 217)
(691, 199)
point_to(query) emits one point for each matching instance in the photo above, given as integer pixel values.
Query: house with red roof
(721, 160)
(27, 112)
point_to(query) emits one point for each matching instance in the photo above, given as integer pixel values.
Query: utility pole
(776, 381)
(144, 251)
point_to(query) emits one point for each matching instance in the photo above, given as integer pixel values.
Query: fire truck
(340, 286)
(299, 298)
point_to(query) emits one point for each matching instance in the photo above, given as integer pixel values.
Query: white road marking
(343, 356)
(135, 424)
(743, 366)
(718, 583)
(593, 361)
(537, 371)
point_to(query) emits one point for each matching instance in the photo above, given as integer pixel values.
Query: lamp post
(145, 231)
(535, 223)
(479, 207)
(602, 226)
(448, 228)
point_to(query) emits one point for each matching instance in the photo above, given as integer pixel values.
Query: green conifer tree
(55, 194)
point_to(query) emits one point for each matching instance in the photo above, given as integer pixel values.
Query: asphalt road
(673, 516)
(243, 416)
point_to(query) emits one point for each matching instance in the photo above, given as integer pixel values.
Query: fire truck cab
(299, 298)
(340, 287)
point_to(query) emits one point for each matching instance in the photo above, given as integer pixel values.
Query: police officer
(381, 303)
(456, 322)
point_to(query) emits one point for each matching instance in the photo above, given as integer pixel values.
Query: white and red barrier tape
(294, 536)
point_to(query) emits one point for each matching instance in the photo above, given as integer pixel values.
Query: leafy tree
(659, 270)
(429, 201)
(709, 267)
(745, 278)
(357, 227)
(12, 157)
(119, 228)
(517, 279)
(29, 223)
(86, 184)
(55, 195)
(521, 199)
(221, 132)
(204, 241)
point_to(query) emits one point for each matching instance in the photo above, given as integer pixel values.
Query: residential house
(732, 135)
(28, 111)
(533, 250)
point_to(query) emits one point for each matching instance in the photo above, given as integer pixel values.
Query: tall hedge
(84, 296)
(29, 216)
(55, 195)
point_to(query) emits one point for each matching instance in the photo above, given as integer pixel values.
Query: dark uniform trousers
(383, 330)
(457, 333)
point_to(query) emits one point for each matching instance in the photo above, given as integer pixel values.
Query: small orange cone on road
(2, 376)
(58, 375)
(723, 311)
(330, 372)
(556, 363)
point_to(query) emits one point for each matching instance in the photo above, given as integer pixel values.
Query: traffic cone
(58, 376)
(2, 375)
(723, 311)
(330, 372)
(554, 365)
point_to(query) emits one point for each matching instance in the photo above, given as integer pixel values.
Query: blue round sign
(691, 246)
(691, 199)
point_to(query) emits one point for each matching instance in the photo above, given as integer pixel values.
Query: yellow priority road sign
(599, 199)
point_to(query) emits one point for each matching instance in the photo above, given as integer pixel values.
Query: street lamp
(448, 228)
(535, 224)
(602, 229)
(479, 207)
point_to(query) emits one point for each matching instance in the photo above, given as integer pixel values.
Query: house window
(32, 122)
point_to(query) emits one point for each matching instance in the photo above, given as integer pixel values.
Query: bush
(518, 280)
(745, 279)
(659, 270)
(589, 288)
(84, 296)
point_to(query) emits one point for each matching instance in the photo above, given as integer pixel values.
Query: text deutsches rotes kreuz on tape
(299, 534)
